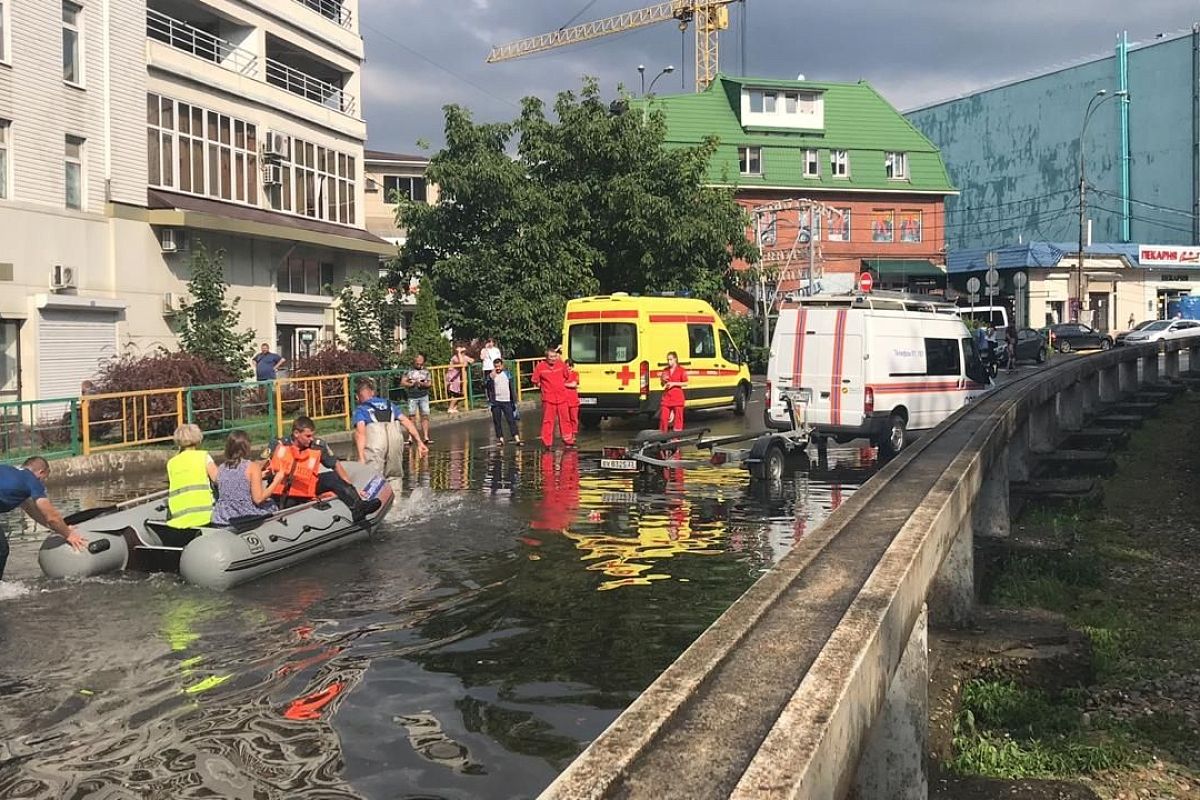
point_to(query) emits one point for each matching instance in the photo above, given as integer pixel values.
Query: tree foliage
(367, 318)
(208, 323)
(593, 201)
(426, 334)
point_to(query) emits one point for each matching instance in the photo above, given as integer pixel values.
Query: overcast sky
(424, 54)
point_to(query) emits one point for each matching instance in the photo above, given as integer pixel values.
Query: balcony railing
(330, 9)
(308, 87)
(202, 44)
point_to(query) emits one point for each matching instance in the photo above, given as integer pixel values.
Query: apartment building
(391, 177)
(132, 132)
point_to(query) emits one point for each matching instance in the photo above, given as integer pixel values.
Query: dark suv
(1070, 336)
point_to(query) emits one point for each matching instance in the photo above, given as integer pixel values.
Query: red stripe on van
(917, 387)
(579, 315)
(698, 319)
(798, 353)
(839, 354)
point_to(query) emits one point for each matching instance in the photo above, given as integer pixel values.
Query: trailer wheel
(772, 465)
(895, 437)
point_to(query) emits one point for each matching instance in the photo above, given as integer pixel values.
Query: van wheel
(772, 466)
(895, 438)
(590, 422)
(741, 399)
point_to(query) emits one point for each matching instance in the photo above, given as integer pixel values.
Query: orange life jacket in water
(301, 465)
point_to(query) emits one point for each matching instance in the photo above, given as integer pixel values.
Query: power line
(959, 209)
(1154, 206)
(578, 14)
(442, 67)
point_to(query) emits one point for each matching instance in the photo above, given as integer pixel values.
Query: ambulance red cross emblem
(626, 375)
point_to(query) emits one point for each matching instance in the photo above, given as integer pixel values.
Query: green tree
(426, 335)
(593, 201)
(208, 323)
(367, 318)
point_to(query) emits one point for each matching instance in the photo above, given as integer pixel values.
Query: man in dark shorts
(24, 487)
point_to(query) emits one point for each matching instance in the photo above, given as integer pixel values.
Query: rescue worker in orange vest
(550, 377)
(300, 457)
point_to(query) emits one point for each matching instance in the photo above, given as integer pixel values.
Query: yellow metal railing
(129, 419)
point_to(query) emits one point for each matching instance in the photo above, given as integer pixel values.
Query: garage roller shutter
(71, 348)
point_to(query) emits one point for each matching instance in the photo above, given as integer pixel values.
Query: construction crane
(708, 17)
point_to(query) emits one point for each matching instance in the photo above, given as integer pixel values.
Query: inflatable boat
(135, 536)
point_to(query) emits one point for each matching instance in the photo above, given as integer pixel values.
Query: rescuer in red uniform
(550, 375)
(674, 380)
(572, 386)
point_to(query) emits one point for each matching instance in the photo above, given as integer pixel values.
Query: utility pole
(1097, 100)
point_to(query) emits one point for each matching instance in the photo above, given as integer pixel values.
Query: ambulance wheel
(741, 399)
(895, 437)
(590, 422)
(772, 466)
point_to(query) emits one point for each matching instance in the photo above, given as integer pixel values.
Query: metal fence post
(187, 397)
(178, 408)
(85, 424)
(520, 389)
(346, 398)
(469, 394)
(76, 445)
(272, 412)
(278, 409)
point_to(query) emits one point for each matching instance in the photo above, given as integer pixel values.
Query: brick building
(880, 183)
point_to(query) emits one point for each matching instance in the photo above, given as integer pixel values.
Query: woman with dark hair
(240, 488)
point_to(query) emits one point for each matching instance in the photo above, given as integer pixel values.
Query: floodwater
(510, 607)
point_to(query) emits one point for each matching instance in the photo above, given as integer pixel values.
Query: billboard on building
(1168, 255)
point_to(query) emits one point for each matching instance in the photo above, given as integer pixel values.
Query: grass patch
(1052, 584)
(1007, 731)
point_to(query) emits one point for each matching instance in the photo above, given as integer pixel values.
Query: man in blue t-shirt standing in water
(24, 487)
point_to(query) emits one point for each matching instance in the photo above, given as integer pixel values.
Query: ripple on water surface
(510, 607)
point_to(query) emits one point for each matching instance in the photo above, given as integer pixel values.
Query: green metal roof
(857, 119)
(904, 267)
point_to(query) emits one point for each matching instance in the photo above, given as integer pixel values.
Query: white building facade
(134, 131)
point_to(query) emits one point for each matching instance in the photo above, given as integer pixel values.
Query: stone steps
(1056, 492)
(1097, 438)
(1068, 463)
(1108, 420)
(1132, 409)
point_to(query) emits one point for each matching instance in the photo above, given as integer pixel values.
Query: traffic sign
(1019, 280)
(973, 285)
(993, 277)
(865, 282)
(973, 299)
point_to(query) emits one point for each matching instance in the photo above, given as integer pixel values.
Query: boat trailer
(764, 454)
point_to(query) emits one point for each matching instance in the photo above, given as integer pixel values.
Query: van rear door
(826, 364)
(604, 348)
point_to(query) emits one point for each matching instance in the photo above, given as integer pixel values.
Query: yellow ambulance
(619, 345)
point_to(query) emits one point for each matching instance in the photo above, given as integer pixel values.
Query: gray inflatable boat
(135, 536)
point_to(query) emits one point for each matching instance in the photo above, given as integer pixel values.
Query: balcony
(314, 89)
(331, 10)
(196, 41)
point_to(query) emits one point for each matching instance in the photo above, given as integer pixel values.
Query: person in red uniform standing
(674, 381)
(550, 376)
(571, 383)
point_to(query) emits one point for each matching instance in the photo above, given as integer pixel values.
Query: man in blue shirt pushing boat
(24, 487)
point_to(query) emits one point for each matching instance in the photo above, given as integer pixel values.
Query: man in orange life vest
(300, 457)
(551, 377)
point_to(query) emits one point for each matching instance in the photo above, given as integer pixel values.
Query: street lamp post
(667, 70)
(642, 75)
(1097, 100)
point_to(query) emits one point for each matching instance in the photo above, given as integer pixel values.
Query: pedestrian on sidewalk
(488, 355)
(455, 376)
(1010, 347)
(571, 383)
(416, 384)
(674, 380)
(267, 364)
(501, 395)
(550, 377)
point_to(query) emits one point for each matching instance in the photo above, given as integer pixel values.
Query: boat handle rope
(275, 537)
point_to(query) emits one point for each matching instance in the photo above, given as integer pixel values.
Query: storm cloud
(424, 54)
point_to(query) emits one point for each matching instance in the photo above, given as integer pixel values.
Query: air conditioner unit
(276, 145)
(172, 302)
(172, 240)
(62, 277)
(272, 174)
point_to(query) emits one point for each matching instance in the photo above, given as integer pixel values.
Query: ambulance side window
(942, 357)
(701, 342)
(728, 350)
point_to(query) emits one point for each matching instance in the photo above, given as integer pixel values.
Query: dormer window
(783, 108)
(896, 166)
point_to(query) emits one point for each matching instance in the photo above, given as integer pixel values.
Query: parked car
(1163, 329)
(1031, 345)
(1070, 336)
(1120, 340)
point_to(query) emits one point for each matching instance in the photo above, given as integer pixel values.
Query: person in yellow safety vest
(191, 474)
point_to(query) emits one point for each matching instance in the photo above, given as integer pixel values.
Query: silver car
(1163, 329)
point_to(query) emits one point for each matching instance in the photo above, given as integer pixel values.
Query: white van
(872, 366)
(996, 316)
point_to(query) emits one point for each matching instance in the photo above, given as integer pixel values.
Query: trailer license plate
(625, 464)
(588, 401)
(619, 497)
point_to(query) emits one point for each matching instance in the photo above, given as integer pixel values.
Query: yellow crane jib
(709, 16)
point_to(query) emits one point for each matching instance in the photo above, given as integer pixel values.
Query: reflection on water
(512, 604)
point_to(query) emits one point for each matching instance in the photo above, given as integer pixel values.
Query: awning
(174, 210)
(902, 268)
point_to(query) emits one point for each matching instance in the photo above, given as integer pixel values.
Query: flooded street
(512, 604)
